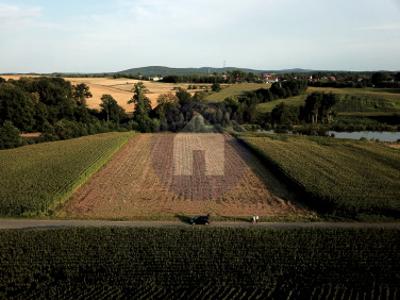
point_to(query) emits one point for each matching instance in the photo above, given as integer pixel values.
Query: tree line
(318, 109)
(55, 108)
(234, 76)
(58, 110)
(175, 111)
(355, 79)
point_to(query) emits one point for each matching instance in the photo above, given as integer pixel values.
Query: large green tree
(16, 106)
(183, 96)
(328, 102)
(81, 93)
(216, 87)
(9, 136)
(319, 107)
(111, 110)
(142, 108)
(379, 77)
(285, 115)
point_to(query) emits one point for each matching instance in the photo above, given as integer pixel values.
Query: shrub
(9, 136)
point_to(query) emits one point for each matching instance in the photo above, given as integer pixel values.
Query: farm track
(166, 175)
(52, 224)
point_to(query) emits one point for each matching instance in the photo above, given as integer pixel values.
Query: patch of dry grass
(120, 89)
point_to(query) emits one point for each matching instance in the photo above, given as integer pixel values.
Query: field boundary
(61, 199)
(6, 224)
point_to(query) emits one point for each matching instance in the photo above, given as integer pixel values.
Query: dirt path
(49, 224)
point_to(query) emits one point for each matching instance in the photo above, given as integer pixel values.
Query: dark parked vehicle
(200, 220)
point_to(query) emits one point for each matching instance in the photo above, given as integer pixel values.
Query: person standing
(254, 219)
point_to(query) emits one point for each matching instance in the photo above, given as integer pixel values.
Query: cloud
(13, 15)
(194, 14)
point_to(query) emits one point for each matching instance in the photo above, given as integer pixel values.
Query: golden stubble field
(120, 89)
(160, 176)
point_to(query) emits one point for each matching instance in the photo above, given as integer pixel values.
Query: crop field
(235, 90)
(161, 176)
(34, 179)
(199, 263)
(121, 89)
(269, 106)
(348, 177)
(351, 100)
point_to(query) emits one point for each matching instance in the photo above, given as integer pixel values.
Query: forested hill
(164, 71)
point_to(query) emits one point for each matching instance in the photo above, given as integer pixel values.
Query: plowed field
(164, 175)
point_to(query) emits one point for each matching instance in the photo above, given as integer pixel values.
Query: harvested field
(120, 89)
(164, 175)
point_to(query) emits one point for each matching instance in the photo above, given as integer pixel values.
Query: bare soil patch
(149, 178)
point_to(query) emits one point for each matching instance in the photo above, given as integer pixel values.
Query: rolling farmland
(349, 177)
(120, 89)
(159, 176)
(199, 263)
(351, 100)
(35, 178)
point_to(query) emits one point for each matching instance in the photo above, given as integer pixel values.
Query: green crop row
(348, 177)
(214, 262)
(35, 179)
(102, 291)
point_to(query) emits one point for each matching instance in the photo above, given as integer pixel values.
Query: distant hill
(164, 71)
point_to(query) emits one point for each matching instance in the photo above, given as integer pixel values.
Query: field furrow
(165, 175)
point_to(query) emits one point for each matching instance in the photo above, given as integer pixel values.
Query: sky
(104, 36)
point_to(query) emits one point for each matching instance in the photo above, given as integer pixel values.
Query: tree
(319, 107)
(312, 107)
(327, 104)
(66, 129)
(80, 93)
(111, 110)
(139, 99)
(167, 98)
(55, 93)
(397, 76)
(237, 76)
(284, 114)
(9, 136)
(183, 97)
(378, 78)
(2, 80)
(216, 87)
(16, 106)
(142, 108)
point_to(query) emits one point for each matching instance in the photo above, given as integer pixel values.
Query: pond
(384, 136)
